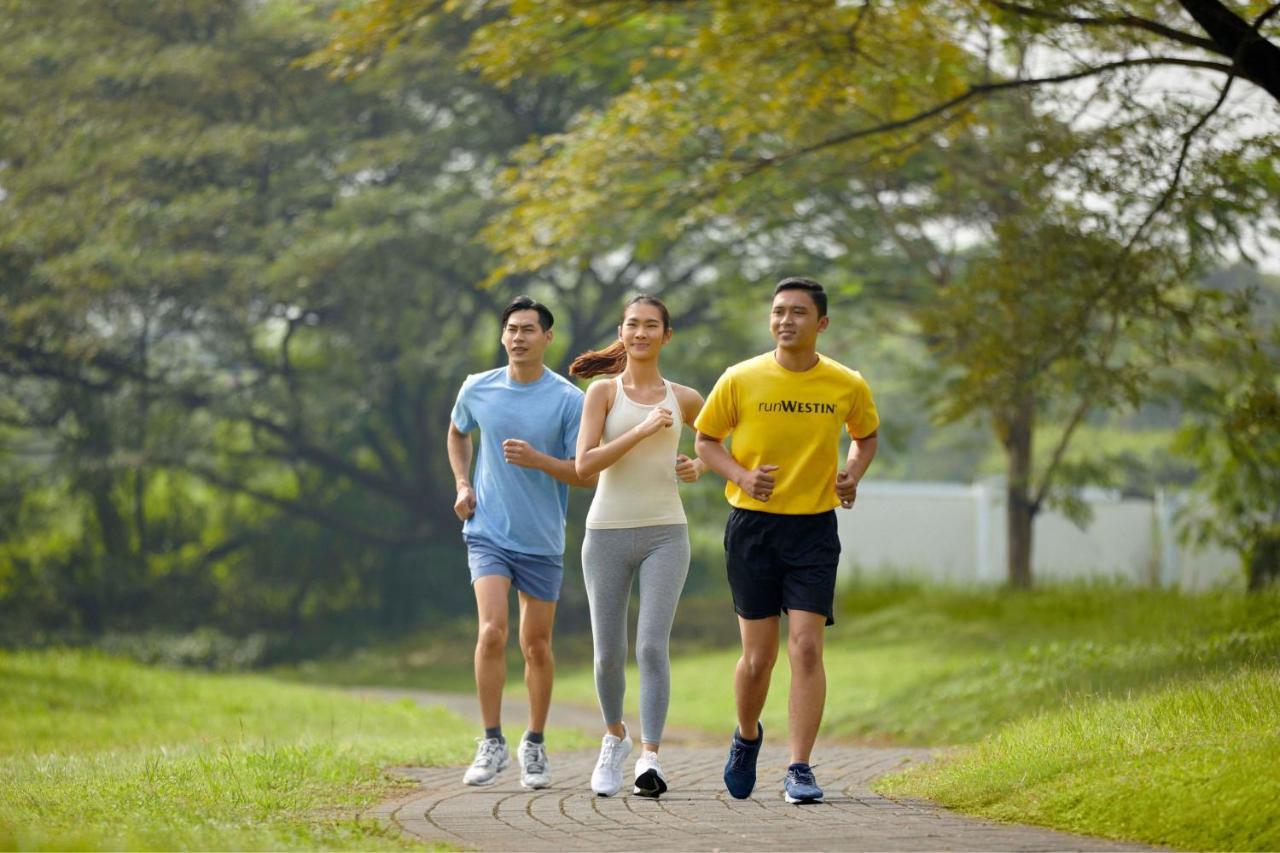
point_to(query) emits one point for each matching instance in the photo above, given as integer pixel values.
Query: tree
(1232, 434)
(237, 300)
(743, 120)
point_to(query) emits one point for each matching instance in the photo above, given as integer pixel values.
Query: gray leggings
(611, 559)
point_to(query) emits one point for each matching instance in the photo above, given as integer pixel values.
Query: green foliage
(238, 299)
(1233, 438)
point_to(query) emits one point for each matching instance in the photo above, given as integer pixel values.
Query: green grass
(910, 664)
(1191, 765)
(101, 753)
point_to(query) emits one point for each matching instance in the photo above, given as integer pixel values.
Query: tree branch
(1253, 57)
(982, 89)
(1128, 20)
(314, 514)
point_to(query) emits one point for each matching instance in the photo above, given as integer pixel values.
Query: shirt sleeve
(571, 423)
(719, 413)
(863, 418)
(462, 416)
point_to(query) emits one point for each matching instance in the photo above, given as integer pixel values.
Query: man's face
(523, 338)
(794, 322)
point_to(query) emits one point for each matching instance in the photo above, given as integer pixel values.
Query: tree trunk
(1253, 56)
(1021, 510)
(1264, 562)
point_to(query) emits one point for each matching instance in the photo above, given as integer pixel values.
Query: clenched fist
(465, 505)
(758, 483)
(519, 452)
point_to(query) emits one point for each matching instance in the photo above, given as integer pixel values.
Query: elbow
(586, 474)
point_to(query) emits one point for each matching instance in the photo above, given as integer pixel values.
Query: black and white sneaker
(650, 780)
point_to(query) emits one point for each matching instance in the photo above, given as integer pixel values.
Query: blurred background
(249, 249)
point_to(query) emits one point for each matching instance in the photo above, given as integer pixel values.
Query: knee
(492, 639)
(757, 665)
(805, 653)
(537, 651)
(652, 657)
(609, 661)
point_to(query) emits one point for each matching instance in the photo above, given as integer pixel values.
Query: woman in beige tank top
(636, 528)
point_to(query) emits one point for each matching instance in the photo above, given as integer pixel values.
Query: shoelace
(804, 777)
(488, 752)
(534, 759)
(607, 751)
(738, 757)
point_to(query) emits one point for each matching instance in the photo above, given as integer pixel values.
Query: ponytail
(608, 361)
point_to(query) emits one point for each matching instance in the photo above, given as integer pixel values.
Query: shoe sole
(537, 787)
(801, 801)
(650, 784)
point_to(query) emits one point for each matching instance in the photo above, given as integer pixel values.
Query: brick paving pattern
(697, 813)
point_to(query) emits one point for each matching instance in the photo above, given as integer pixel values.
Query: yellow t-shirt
(792, 420)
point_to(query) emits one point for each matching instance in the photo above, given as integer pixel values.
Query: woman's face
(641, 331)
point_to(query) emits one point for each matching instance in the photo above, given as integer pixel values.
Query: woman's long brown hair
(613, 358)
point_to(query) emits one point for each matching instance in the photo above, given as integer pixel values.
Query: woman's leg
(662, 576)
(607, 569)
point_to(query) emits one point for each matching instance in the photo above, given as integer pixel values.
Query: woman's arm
(594, 457)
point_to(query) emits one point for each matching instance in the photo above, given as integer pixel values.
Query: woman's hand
(659, 418)
(688, 470)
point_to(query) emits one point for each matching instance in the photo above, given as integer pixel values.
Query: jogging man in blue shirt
(514, 516)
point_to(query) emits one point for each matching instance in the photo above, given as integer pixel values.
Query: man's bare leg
(755, 668)
(536, 620)
(491, 645)
(808, 681)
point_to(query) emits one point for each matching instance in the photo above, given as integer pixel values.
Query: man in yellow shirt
(785, 410)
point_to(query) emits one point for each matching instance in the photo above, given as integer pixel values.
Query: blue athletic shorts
(538, 575)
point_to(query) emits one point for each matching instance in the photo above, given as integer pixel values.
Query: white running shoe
(650, 780)
(535, 770)
(606, 779)
(491, 759)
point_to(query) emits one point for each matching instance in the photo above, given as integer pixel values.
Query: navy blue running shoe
(740, 769)
(800, 786)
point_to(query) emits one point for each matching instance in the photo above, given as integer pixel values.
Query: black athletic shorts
(779, 563)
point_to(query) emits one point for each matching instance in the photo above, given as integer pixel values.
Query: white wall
(956, 533)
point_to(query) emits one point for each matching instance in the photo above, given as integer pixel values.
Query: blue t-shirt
(518, 508)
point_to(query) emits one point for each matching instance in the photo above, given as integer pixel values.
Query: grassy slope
(933, 666)
(1191, 765)
(99, 753)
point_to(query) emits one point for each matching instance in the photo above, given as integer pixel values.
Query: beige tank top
(640, 489)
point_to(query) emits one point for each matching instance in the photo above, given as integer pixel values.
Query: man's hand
(688, 470)
(465, 506)
(846, 489)
(518, 452)
(758, 483)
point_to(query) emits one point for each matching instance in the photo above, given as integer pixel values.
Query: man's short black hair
(528, 303)
(809, 286)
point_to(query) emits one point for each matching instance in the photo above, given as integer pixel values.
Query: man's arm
(758, 483)
(460, 452)
(518, 452)
(861, 452)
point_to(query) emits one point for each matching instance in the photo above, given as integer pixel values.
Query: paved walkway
(696, 813)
